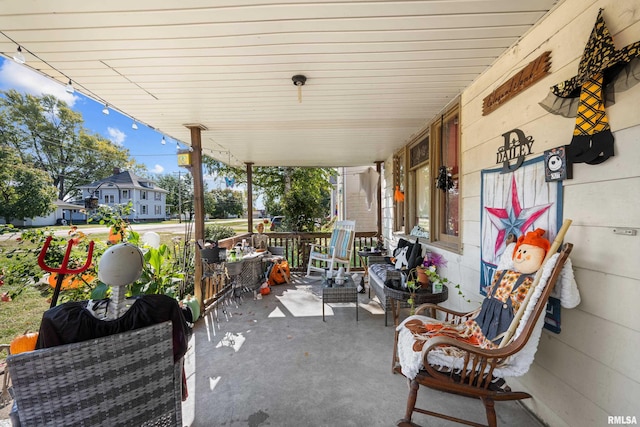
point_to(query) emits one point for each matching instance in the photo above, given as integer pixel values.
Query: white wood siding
(589, 371)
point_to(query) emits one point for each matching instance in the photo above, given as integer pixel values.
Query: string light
(164, 141)
(134, 125)
(69, 88)
(105, 110)
(18, 56)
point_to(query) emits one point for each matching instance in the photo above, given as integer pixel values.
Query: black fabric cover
(71, 322)
(415, 257)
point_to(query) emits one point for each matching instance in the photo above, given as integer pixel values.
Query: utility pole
(179, 198)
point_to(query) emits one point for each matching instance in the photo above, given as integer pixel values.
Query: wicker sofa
(124, 379)
(381, 269)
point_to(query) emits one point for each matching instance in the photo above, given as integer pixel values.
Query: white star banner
(515, 203)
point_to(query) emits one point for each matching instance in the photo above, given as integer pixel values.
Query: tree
(180, 191)
(47, 134)
(303, 195)
(227, 202)
(25, 192)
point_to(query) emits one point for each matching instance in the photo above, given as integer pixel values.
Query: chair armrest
(375, 259)
(450, 316)
(476, 358)
(313, 246)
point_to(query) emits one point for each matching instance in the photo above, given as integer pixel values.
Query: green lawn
(25, 311)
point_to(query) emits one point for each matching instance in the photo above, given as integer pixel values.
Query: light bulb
(164, 141)
(105, 110)
(69, 88)
(18, 56)
(134, 126)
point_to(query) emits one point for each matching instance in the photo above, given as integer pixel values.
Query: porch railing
(296, 246)
(296, 250)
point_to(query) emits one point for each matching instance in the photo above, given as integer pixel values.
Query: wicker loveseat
(126, 379)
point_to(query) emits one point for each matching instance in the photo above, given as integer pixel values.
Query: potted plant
(427, 272)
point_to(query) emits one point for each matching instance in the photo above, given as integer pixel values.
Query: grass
(24, 313)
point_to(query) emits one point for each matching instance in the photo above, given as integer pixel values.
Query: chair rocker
(338, 252)
(478, 372)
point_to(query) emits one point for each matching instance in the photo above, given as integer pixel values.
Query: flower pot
(422, 277)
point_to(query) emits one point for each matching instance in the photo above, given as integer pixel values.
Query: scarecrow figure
(603, 70)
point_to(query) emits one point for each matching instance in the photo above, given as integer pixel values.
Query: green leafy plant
(215, 232)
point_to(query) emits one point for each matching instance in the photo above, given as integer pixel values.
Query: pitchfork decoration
(63, 269)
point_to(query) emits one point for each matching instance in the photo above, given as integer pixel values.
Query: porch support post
(249, 197)
(198, 204)
(379, 170)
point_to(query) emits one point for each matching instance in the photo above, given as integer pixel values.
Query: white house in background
(61, 215)
(149, 201)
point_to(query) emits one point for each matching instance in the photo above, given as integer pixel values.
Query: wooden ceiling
(377, 71)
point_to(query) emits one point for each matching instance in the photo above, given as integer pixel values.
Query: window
(125, 194)
(399, 190)
(143, 195)
(157, 196)
(108, 198)
(435, 211)
(143, 209)
(158, 210)
(446, 134)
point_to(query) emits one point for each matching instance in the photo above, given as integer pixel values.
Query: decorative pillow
(415, 257)
(401, 258)
(401, 244)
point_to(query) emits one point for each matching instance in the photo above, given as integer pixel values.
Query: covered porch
(275, 362)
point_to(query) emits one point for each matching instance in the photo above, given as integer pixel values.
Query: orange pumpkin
(23, 343)
(70, 282)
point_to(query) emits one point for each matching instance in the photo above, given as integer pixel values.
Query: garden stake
(62, 270)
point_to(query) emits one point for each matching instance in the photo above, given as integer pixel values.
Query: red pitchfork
(62, 270)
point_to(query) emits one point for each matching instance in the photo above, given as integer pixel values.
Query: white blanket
(516, 365)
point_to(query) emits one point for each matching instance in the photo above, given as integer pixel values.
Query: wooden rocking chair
(476, 374)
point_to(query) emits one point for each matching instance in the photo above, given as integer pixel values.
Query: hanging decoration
(230, 182)
(369, 184)
(444, 181)
(603, 70)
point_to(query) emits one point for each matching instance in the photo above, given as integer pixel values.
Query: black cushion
(415, 257)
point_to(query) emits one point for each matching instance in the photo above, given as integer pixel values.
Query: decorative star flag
(603, 70)
(514, 203)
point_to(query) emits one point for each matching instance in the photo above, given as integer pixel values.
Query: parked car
(276, 223)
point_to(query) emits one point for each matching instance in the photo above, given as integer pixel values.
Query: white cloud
(116, 135)
(25, 80)
(157, 169)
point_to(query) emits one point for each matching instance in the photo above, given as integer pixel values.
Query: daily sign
(514, 149)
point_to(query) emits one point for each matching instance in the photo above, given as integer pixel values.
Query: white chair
(338, 252)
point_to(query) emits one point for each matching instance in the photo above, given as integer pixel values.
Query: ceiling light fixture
(69, 88)
(105, 110)
(18, 56)
(299, 80)
(134, 125)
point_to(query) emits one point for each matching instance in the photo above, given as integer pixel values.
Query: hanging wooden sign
(534, 71)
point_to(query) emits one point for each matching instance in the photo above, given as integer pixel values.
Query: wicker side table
(347, 292)
(396, 296)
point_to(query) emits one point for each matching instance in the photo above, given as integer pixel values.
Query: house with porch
(484, 119)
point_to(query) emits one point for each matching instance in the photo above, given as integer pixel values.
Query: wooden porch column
(249, 197)
(379, 170)
(198, 204)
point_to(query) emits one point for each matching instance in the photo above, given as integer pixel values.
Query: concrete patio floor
(274, 362)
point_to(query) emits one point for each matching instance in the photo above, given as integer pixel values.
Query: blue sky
(144, 144)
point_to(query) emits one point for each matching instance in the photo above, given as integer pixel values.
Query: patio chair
(453, 366)
(123, 379)
(338, 252)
